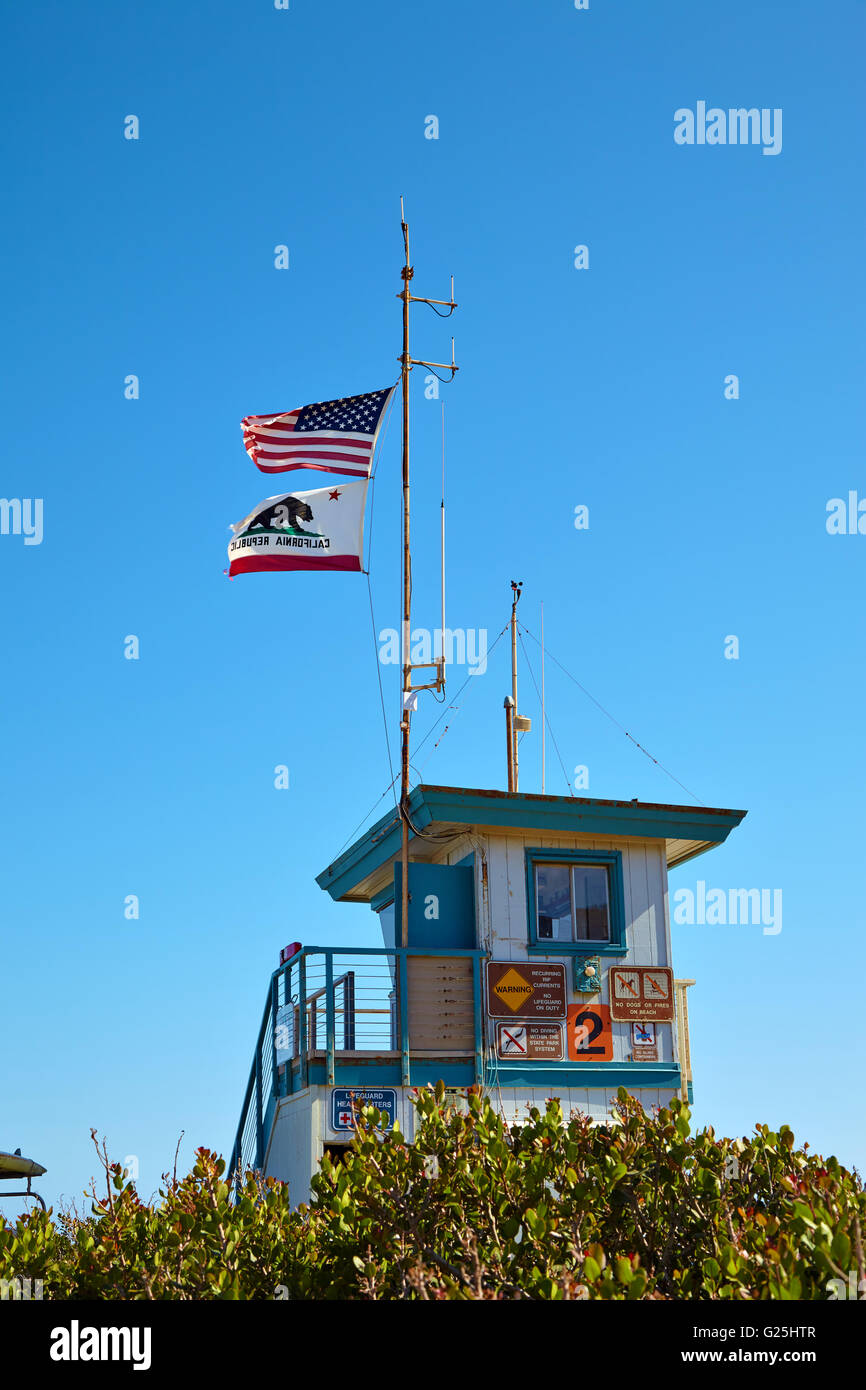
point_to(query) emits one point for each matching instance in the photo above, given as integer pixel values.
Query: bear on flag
(320, 530)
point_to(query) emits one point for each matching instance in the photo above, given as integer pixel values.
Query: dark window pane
(553, 897)
(591, 906)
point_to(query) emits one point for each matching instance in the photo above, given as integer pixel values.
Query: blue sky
(602, 387)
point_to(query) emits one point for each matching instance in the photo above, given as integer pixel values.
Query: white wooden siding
(301, 1129)
(597, 1103)
(503, 917)
(294, 1145)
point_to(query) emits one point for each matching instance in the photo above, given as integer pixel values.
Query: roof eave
(687, 831)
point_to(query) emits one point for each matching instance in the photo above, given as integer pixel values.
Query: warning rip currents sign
(527, 989)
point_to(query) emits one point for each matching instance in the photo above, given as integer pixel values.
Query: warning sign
(528, 990)
(513, 990)
(534, 1041)
(589, 1032)
(641, 993)
(644, 1045)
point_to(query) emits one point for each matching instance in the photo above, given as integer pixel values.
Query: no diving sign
(533, 1041)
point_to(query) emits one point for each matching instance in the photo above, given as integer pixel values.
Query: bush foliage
(553, 1208)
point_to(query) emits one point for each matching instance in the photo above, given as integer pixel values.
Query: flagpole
(406, 365)
(405, 369)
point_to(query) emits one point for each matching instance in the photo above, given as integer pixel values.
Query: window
(576, 899)
(573, 902)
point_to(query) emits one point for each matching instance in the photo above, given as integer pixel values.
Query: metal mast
(514, 723)
(408, 700)
(516, 590)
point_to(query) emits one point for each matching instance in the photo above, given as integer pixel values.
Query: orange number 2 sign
(590, 1036)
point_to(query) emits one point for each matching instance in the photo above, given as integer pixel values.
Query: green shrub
(549, 1209)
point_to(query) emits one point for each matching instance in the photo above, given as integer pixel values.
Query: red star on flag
(334, 496)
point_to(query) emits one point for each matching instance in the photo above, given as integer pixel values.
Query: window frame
(611, 859)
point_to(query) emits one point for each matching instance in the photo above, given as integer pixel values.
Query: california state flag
(321, 530)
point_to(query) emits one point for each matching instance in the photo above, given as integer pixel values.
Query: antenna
(516, 723)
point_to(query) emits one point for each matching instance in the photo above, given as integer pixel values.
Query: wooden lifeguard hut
(525, 947)
(538, 963)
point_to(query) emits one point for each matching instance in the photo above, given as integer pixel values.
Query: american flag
(332, 436)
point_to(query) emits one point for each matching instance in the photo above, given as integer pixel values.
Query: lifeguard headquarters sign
(527, 990)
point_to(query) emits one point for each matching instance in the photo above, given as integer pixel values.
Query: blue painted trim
(306, 951)
(248, 1095)
(577, 948)
(302, 1017)
(635, 1076)
(589, 1075)
(288, 995)
(270, 1111)
(272, 1024)
(690, 1095)
(556, 815)
(424, 1073)
(260, 1129)
(329, 1014)
(612, 859)
(383, 899)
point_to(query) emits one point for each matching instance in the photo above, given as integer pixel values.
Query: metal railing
(328, 1008)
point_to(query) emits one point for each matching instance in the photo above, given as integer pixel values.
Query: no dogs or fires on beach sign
(642, 993)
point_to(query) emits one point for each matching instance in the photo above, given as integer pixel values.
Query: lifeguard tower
(538, 963)
(525, 941)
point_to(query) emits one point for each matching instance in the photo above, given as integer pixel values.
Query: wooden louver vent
(441, 1013)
